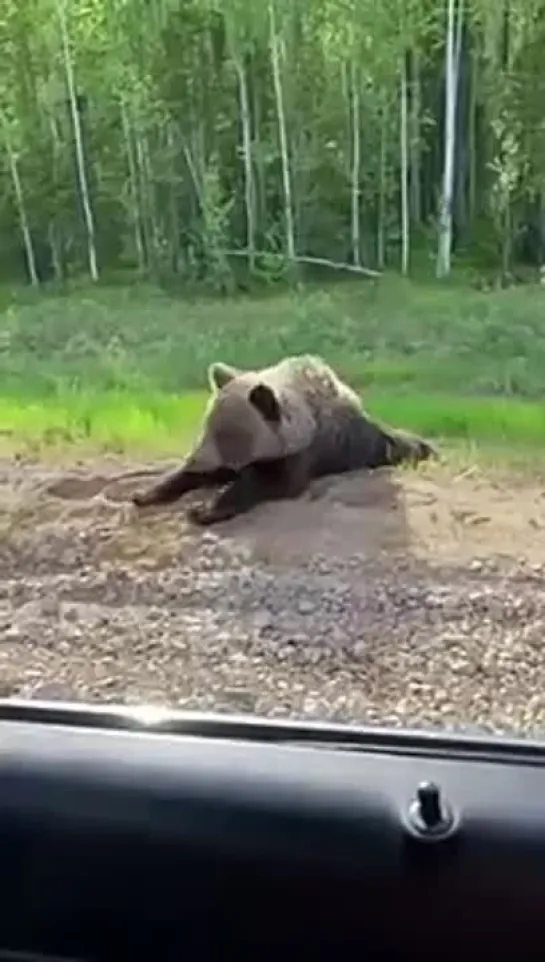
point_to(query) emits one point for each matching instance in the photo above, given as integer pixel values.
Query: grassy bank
(126, 367)
(163, 423)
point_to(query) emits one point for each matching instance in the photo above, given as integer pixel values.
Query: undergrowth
(126, 367)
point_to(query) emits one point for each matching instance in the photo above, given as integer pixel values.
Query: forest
(199, 140)
(187, 181)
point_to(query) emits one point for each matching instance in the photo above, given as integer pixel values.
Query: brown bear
(268, 433)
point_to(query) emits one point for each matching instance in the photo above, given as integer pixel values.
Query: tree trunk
(249, 187)
(134, 193)
(381, 217)
(78, 138)
(356, 162)
(282, 136)
(452, 57)
(416, 202)
(23, 217)
(404, 172)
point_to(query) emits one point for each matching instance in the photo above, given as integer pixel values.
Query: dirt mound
(410, 597)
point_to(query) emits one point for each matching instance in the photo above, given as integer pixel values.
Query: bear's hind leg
(404, 447)
(370, 444)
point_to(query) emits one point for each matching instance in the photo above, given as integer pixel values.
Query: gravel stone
(382, 608)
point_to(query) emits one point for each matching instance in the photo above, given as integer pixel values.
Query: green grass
(126, 367)
(167, 424)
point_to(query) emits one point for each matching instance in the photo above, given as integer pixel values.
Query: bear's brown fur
(268, 433)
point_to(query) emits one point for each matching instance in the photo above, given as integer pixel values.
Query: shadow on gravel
(391, 597)
(358, 513)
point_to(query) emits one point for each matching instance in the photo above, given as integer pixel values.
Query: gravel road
(409, 598)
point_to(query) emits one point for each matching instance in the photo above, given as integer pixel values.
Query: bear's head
(244, 422)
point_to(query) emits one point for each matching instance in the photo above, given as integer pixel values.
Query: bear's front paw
(203, 516)
(140, 499)
(200, 515)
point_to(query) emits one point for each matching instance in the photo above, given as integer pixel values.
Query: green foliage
(168, 424)
(116, 366)
(173, 153)
(392, 333)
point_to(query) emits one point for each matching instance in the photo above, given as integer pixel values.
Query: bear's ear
(219, 374)
(264, 399)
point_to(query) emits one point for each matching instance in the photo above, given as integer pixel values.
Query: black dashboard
(176, 836)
